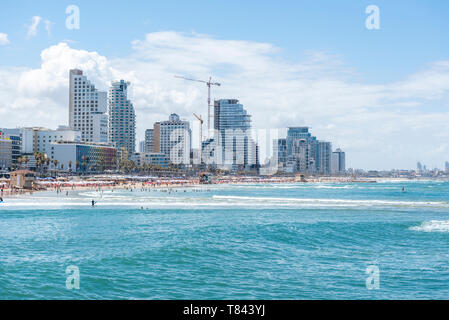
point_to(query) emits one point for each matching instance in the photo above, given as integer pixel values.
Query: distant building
(419, 167)
(446, 166)
(300, 152)
(87, 109)
(232, 125)
(122, 117)
(174, 139)
(84, 156)
(5, 153)
(142, 146)
(338, 163)
(149, 141)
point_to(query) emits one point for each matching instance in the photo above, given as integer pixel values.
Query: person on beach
(93, 203)
(1, 199)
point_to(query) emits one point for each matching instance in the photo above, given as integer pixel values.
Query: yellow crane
(209, 84)
(200, 119)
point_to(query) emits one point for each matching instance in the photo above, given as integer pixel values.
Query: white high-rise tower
(87, 109)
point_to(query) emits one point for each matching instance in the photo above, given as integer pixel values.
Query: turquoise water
(300, 241)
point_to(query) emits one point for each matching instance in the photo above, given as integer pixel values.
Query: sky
(382, 95)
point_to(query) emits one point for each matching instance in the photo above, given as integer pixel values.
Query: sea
(385, 240)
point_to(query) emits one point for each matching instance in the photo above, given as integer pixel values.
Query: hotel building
(87, 109)
(174, 139)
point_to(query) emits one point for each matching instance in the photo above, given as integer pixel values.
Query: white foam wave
(336, 201)
(432, 226)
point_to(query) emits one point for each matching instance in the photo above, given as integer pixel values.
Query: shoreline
(118, 184)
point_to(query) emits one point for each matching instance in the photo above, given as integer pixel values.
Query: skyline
(383, 119)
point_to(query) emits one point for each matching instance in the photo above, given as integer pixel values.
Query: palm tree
(47, 163)
(70, 166)
(19, 161)
(26, 160)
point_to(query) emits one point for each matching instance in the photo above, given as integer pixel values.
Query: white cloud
(32, 29)
(3, 39)
(389, 125)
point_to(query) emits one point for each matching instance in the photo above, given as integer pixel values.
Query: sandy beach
(65, 185)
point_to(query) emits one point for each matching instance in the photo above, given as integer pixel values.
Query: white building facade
(174, 139)
(87, 109)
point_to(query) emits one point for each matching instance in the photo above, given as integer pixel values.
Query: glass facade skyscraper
(232, 125)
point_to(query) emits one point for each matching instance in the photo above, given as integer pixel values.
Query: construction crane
(200, 119)
(209, 84)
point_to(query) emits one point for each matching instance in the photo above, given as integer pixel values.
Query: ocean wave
(432, 226)
(336, 201)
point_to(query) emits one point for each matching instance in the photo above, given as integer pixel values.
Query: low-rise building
(83, 157)
(5, 153)
(157, 159)
(22, 179)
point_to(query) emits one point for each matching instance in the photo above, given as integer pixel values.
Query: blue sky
(412, 33)
(307, 62)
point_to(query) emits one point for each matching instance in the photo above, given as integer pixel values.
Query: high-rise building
(302, 150)
(232, 125)
(87, 109)
(323, 157)
(446, 166)
(149, 140)
(280, 151)
(174, 139)
(338, 162)
(122, 117)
